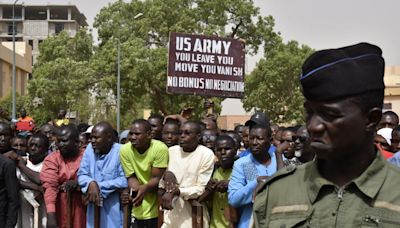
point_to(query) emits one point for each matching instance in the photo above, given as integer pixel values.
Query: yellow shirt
(141, 164)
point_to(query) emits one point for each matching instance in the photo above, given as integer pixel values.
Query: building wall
(23, 63)
(229, 122)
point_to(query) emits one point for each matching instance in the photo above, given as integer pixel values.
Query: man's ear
(373, 118)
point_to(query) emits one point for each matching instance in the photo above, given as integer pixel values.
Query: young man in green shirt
(222, 215)
(144, 161)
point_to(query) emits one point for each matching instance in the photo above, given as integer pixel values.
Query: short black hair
(172, 121)
(145, 123)
(227, 138)
(156, 116)
(42, 137)
(390, 113)
(72, 128)
(196, 125)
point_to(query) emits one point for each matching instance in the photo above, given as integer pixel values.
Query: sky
(319, 24)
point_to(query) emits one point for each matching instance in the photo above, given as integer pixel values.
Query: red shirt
(56, 170)
(386, 154)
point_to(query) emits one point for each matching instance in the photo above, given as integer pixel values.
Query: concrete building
(392, 90)
(23, 66)
(34, 23)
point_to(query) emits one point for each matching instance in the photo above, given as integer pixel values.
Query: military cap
(344, 72)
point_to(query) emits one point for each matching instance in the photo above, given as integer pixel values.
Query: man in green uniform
(349, 184)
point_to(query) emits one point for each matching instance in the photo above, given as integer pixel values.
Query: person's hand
(281, 148)
(12, 155)
(140, 192)
(125, 197)
(166, 200)
(69, 185)
(51, 220)
(211, 184)
(222, 186)
(21, 162)
(261, 179)
(93, 193)
(170, 181)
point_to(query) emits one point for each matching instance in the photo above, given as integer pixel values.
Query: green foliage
(143, 41)
(61, 77)
(274, 85)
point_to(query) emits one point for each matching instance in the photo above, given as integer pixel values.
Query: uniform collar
(369, 182)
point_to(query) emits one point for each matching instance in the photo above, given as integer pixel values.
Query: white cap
(89, 130)
(386, 133)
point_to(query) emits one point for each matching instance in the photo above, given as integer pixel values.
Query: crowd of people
(177, 172)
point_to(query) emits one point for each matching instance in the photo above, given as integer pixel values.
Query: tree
(274, 86)
(143, 41)
(61, 77)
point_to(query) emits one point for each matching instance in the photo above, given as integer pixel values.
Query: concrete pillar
(48, 13)
(69, 13)
(23, 13)
(1, 12)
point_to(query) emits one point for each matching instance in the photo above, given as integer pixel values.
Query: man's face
(37, 150)
(83, 141)
(259, 141)
(210, 124)
(101, 141)
(19, 144)
(301, 140)
(170, 134)
(61, 114)
(208, 138)
(66, 143)
(287, 136)
(139, 137)
(395, 141)
(156, 128)
(276, 139)
(189, 138)
(48, 132)
(388, 121)
(23, 113)
(337, 129)
(245, 137)
(5, 138)
(381, 141)
(239, 130)
(225, 152)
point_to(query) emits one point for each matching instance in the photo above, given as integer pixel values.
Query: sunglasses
(300, 138)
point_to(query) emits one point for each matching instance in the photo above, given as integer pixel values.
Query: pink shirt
(54, 173)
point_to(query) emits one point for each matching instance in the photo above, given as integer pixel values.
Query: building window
(59, 27)
(10, 29)
(30, 42)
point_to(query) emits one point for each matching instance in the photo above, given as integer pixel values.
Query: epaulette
(278, 175)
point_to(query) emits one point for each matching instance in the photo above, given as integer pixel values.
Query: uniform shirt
(106, 171)
(141, 164)
(9, 201)
(55, 171)
(192, 171)
(244, 181)
(301, 197)
(220, 200)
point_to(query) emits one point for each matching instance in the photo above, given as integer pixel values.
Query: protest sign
(204, 65)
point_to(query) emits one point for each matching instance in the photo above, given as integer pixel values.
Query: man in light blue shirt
(100, 176)
(249, 169)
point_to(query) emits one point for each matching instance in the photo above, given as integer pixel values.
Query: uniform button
(282, 226)
(333, 213)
